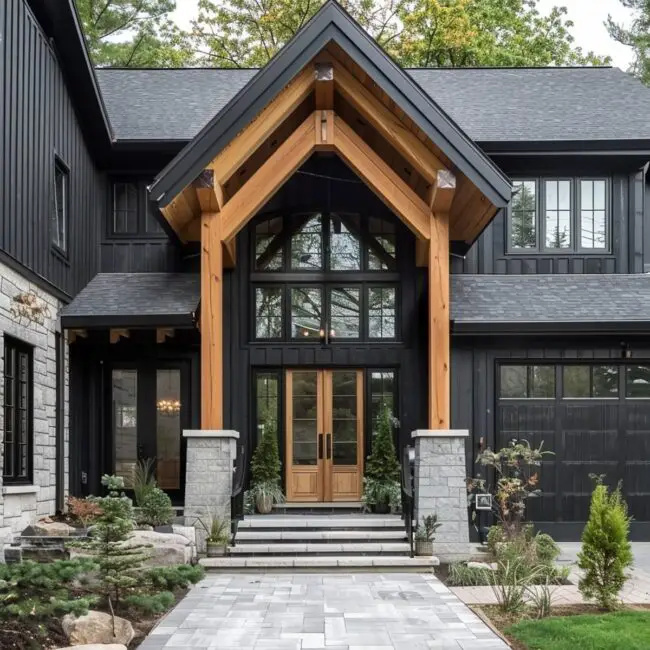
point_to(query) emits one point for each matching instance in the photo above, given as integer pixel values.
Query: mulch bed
(500, 621)
(47, 635)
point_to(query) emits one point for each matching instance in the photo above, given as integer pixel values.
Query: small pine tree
(382, 464)
(119, 563)
(265, 463)
(606, 550)
(37, 591)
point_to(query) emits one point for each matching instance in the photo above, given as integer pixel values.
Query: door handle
(320, 446)
(328, 445)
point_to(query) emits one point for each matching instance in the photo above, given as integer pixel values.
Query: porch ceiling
(325, 92)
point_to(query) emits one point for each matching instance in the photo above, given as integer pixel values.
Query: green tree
(606, 550)
(265, 463)
(636, 36)
(247, 33)
(382, 464)
(133, 33)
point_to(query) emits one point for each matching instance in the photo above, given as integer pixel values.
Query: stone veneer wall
(209, 476)
(440, 488)
(22, 505)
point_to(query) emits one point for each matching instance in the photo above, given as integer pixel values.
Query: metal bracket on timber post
(439, 337)
(117, 334)
(324, 85)
(211, 321)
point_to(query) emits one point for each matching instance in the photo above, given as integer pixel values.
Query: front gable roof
(332, 25)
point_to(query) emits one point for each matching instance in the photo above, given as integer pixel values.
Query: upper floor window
(325, 242)
(559, 215)
(17, 442)
(131, 213)
(59, 221)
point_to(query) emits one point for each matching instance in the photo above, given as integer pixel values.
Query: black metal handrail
(408, 502)
(237, 498)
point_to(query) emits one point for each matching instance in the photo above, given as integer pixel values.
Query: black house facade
(208, 249)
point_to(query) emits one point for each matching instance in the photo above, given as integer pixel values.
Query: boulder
(50, 528)
(165, 549)
(492, 566)
(97, 627)
(96, 646)
(189, 532)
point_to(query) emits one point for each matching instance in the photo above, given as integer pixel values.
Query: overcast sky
(588, 31)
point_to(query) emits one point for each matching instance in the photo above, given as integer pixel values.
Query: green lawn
(617, 631)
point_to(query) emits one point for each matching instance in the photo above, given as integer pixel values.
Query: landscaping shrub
(510, 583)
(606, 550)
(151, 603)
(37, 591)
(460, 575)
(169, 578)
(143, 479)
(540, 597)
(265, 469)
(381, 481)
(516, 468)
(85, 511)
(156, 508)
(120, 565)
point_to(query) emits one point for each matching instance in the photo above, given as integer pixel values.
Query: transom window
(325, 242)
(559, 214)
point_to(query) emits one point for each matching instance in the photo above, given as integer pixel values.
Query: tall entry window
(149, 410)
(325, 277)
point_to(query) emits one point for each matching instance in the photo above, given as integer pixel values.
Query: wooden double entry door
(324, 435)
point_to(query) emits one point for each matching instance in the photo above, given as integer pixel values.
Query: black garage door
(595, 419)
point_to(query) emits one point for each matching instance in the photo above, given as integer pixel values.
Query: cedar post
(439, 338)
(211, 322)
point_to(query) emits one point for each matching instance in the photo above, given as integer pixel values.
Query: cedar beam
(324, 86)
(229, 254)
(388, 124)
(163, 333)
(251, 138)
(118, 333)
(268, 179)
(439, 338)
(208, 192)
(442, 192)
(211, 321)
(381, 178)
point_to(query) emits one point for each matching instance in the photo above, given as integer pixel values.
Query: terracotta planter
(423, 547)
(215, 550)
(264, 504)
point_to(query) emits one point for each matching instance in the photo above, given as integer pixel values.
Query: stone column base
(450, 552)
(208, 478)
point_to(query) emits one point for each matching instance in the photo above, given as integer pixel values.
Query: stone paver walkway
(358, 611)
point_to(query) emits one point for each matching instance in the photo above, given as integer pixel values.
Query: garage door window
(637, 382)
(527, 382)
(590, 382)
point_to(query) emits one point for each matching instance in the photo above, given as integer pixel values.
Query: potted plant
(425, 534)
(381, 491)
(217, 538)
(265, 487)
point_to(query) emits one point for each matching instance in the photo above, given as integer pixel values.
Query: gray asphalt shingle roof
(115, 299)
(489, 104)
(545, 299)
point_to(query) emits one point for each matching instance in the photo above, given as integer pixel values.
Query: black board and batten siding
(608, 436)
(37, 122)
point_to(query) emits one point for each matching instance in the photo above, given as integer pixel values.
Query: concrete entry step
(320, 522)
(259, 536)
(342, 562)
(325, 548)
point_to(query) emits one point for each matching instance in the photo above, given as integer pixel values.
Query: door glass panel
(125, 421)
(344, 417)
(304, 417)
(168, 428)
